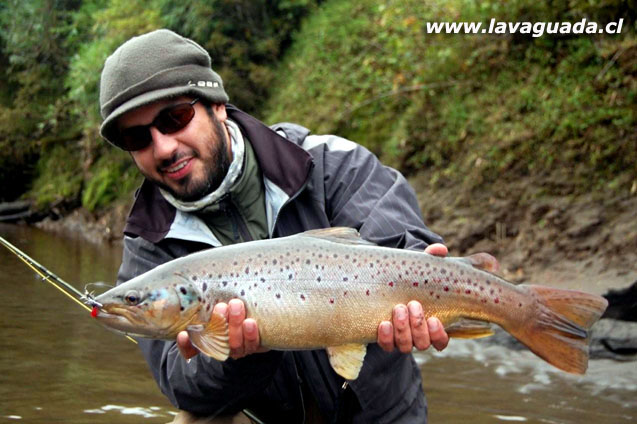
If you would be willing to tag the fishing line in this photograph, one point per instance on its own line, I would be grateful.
(49, 277)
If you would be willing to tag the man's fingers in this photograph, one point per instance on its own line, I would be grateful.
(437, 333)
(250, 336)
(402, 333)
(418, 326)
(386, 336)
(236, 315)
(437, 249)
(186, 349)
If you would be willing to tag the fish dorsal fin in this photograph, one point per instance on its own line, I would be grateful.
(483, 261)
(211, 339)
(469, 329)
(338, 235)
(347, 360)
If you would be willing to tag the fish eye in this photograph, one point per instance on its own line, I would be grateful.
(132, 297)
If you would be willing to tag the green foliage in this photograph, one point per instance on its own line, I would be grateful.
(476, 109)
(113, 177)
(245, 39)
(473, 108)
(63, 182)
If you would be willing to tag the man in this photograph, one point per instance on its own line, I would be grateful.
(215, 176)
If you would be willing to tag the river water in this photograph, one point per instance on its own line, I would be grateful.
(57, 365)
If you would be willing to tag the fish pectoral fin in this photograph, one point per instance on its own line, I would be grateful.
(469, 329)
(211, 339)
(343, 235)
(347, 360)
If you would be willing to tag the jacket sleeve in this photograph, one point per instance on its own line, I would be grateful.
(362, 193)
(202, 386)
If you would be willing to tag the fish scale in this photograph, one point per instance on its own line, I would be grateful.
(329, 288)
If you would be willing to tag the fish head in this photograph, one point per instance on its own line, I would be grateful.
(157, 309)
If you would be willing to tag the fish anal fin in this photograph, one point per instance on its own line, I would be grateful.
(469, 329)
(211, 338)
(347, 360)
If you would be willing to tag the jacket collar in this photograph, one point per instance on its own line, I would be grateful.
(286, 167)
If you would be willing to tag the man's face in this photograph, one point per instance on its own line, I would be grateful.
(189, 163)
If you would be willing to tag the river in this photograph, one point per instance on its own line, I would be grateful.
(57, 365)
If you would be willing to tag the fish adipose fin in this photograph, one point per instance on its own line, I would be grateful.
(482, 260)
(211, 339)
(469, 329)
(338, 235)
(347, 360)
(558, 331)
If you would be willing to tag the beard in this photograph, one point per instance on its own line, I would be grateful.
(216, 163)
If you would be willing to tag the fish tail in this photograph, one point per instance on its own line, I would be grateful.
(558, 329)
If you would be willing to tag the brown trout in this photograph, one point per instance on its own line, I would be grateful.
(331, 289)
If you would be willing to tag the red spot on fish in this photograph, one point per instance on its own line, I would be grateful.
(345, 293)
(467, 291)
(496, 300)
(367, 292)
(302, 297)
(331, 300)
(446, 288)
(519, 305)
(415, 284)
(431, 293)
(94, 312)
(391, 284)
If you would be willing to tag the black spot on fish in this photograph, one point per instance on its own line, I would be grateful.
(225, 283)
(345, 278)
(318, 279)
(262, 280)
(182, 289)
(181, 308)
(194, 278)
(247, 270)
(302, 297)
(243, 292)
(274, 261)
(307, 262)
(290, 277)
(278, 296)
(199, 298)
(204, 287)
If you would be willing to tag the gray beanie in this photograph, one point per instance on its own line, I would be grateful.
(154, 66)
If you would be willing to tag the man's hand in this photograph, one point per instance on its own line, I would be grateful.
(408, 327)
(243, 335)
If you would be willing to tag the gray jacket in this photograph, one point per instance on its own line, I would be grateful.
(310, 182)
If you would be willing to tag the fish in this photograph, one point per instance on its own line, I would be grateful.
(330, 289)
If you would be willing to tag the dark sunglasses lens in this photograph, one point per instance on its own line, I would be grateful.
(168, 121)
(175, 118)
(135, 138)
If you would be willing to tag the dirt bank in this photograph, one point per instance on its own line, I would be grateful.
(580, 241)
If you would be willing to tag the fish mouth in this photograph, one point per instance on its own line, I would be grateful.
(123, 320)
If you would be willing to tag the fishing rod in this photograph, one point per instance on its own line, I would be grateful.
(51, 278)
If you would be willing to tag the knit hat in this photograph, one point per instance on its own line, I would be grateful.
(157, 65)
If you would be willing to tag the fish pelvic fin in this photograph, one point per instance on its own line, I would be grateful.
(469, 329)
(212, 338)
(347, 360)
(558, 330)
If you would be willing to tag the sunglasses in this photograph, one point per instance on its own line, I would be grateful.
(168, 121)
